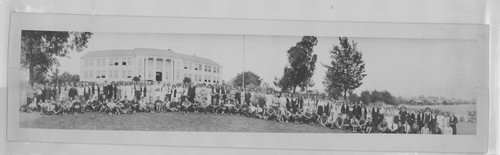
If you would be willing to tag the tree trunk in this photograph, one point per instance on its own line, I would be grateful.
(31, 73)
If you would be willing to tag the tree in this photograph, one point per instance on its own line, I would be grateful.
(39, 49)
(136, 79)
(67, 77)
(250, 79)
(302, 63)
(365, 97)
(186, 80)
(354, 98)
(347, 69)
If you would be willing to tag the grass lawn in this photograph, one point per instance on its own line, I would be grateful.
(175, 122)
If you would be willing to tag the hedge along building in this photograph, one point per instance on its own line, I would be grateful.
(148, 64)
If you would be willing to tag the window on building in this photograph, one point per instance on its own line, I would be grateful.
(103, 74)
(178, 75)
(215, 69)
(185, 65)
(209, 68)
(139, 62)
(91, 62)
(209, 79)
(206, 68)
(200, 67)
(110, 60)
(110, 74)
(86, 62)
(190, 66)
(98, 62)
(116, 74)
(166, 75)
(91, 74)
(129, 61)
(124, 61)
(124, 73)
(140, 73)
(116, 62)
(205, 79)
(103, 61)
(196, 67)
(98, 74)
(129, 74)
(85, 74)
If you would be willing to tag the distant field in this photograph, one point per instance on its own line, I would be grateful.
(179, 122)
(457, 109)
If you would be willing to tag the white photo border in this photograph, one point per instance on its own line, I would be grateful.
(308, 141)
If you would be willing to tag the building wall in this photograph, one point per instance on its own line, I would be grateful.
(124, 68)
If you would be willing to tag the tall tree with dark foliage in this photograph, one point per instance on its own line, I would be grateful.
(250, 78)
(301, 65)
(39, 49)
(347, 69)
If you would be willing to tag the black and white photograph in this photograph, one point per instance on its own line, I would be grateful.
(228, 83)
(248, 83)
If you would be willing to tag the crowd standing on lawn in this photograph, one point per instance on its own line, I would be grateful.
(147, 96)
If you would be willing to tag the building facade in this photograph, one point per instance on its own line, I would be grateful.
(148, 64)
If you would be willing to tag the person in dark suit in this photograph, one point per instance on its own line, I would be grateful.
(191, 93)
(411, 118)
(453, 123)
(114, 89)
(420, 120)
(72, 92)
(247, 97)
(342, 108)
(403, 115)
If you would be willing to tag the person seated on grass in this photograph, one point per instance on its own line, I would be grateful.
(110, 106)
(93, 103)
(346, 124)
(355, 124)
(118, 107)
(127, 106)
(43, 106)
(258, 112)
(315, 117)
(58, 108)
(134, 105)
(393, 127)
(383, 126)
(271, 114)
(307, 117)
(76, 106)
(50, 109)
(84, 104)
(414, 129)
(425, 129)
(287, 116)
(322, 120)
(67, 106)
(33, 106)
(174, 107)
(437, 129)
(143, 105)
(362, 124)
(151, 105)
(186, 106)
(166, 104)
(279, 114)
(158, 104)
(406, 128)
(447, 130)
(330, 121)
(369, 125)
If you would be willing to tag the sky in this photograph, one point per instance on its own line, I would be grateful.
(404, 67)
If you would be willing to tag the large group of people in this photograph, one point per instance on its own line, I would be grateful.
(116, 98)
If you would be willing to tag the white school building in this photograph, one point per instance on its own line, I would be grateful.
(148, 64)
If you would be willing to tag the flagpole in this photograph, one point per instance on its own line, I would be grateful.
(243, 73)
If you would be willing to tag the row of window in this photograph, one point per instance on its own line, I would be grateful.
(108, 74)
(199, 78)
(200, 67)
(110, 62)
